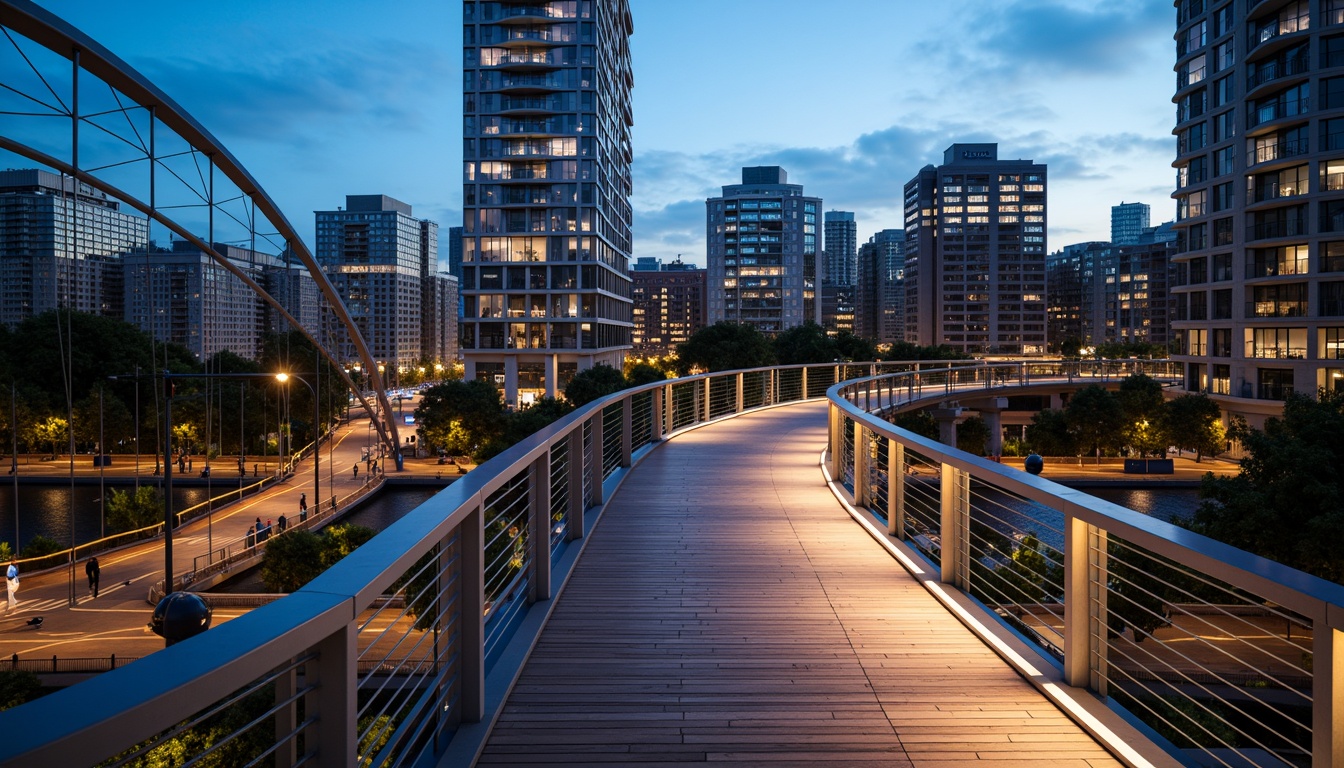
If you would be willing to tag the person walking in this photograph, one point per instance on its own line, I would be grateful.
(92, 570)
(12, 583)
(303, 504)
(356, 468)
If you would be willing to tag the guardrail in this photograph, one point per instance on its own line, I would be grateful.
(402, 652)
(289, 681)
(1227, 658)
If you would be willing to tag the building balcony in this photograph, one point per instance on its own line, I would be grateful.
(1278, 33)
(530, 14)
(1255, 309)
(1283, 150)
(1277, 72)
(1267, 230)
(1276, 111)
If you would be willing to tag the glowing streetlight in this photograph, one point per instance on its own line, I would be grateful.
(284, 378)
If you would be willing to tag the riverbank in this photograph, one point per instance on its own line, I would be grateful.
(1110, 473)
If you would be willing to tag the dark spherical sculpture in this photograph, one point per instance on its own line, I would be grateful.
(179, 616)
(1035, 464)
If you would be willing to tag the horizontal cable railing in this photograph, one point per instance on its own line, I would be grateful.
(1225, 657)
(384, 657)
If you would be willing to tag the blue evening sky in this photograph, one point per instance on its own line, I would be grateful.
(324, 98)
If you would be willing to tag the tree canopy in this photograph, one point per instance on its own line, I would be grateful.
(594, 383)
(1287, 503)
(724, 346)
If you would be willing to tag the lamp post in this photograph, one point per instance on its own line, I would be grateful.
(317, 416)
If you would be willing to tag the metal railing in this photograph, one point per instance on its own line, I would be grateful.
(1228, 658)
(401, 645)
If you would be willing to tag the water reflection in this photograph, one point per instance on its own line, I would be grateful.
(45, 510)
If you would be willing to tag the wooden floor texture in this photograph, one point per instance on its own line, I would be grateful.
(727, 610)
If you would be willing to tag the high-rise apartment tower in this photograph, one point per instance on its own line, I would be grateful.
(1259, 278)
(975, 253)
(840, 244)
(763, 260)
(546, 191)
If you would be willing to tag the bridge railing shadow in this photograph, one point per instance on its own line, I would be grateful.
(1225, 658)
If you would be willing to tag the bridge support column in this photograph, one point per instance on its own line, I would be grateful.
(895, 489)
(955, 524)
(992, 412)
(947, 423)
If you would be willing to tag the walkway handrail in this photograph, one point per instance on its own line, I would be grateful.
(475, 567)
(1167, 624)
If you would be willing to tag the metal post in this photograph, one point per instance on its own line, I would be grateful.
(738, 406)
(627, 432)
(167, 485)
(332, 701)
(539, 517)
(576, 503)
(656, 414)
(803, 394)
(955, 518)
(1077, 611)
(895, 489)
(597, 468)
(473, 618)
(708, 408)
(860, 466)
(1327, 731)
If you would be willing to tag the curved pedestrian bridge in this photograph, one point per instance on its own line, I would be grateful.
(750, 567)
(727, 609)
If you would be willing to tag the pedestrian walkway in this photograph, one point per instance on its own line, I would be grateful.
(726, 609)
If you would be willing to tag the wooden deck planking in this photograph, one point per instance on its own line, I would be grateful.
(727, 610)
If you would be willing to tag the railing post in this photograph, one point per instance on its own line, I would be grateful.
(738, 408)
(772, 394)
(539, 517)
(804, 390)
(1327, 674)
(837, 441)
(472, 561)
(860, 466)
(1077, 605)
(286, 718)
(895, 489)
(669, 410)
(656, 415)
(956, 509)
(331, 703)
(596, 468)
(708, 408)
(627, 431)
(574, 483)
(1098, 576)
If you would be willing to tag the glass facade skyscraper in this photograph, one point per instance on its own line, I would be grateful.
(546, 191)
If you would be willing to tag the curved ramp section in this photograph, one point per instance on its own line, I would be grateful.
(727, 609)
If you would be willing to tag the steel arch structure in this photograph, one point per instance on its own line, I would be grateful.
(138, 135)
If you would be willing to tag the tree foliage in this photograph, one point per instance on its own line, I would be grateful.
(724, 346)
(135, 509)
(1287, 503)
(973, 435)
(904, 350)
(18, 687)
(1095, 419)
(1145, 414)
(294, 558)
(1048, 434)
(1194, 423)
(806, 343)
(594, 383)
(460, 417)
(643, 373)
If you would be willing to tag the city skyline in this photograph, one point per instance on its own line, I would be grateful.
(1083, 88)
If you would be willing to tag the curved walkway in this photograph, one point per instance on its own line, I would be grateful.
(726, 609)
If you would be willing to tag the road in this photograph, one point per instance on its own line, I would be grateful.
(116, 622)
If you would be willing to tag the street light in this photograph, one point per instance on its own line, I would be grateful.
(317, 417)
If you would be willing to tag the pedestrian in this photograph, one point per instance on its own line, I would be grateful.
(12, 582)
(356, 468)
(93, 572)
(303, 502)
(258, 525)
(251, 536)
